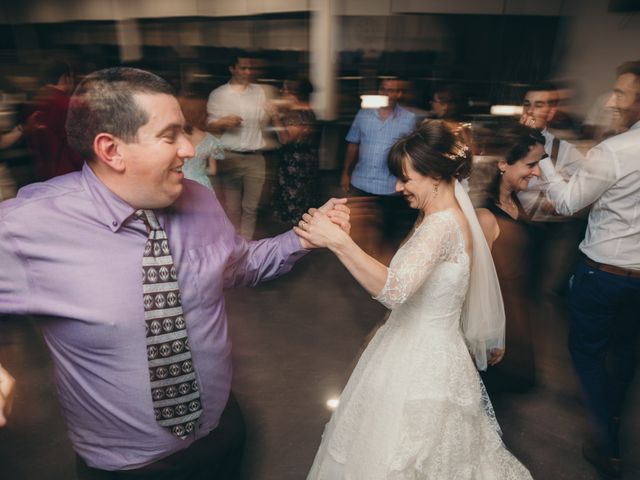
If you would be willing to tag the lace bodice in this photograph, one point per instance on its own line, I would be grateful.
(431, 270)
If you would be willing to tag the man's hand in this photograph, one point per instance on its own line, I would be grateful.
(528, 120)
(548, 208)
(7, 384)
(336, 211)
(229, 122)
(345, 182)
(496, 356)
(272, 110)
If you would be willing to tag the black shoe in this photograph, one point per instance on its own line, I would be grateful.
(607, 467)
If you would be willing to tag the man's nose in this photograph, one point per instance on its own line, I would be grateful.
(186, 149)
(611, 102)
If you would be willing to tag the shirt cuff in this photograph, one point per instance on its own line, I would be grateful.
(292, 245)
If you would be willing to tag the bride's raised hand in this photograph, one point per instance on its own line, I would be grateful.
(316, 229)
(337, 211)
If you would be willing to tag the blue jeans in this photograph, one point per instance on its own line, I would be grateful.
(605, 318)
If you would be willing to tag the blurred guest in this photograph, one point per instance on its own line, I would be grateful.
(599, 120)
(235, 114)
(448, 104)
(297, 183)
(566, 122)
(9, 138)
(507, 229)
(208, 148)
(557, 236)
(379, 213)
(7, 385)
(604, 293)
(44, 129)
(7, 183)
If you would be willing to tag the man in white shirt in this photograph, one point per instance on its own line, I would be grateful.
(236, 111)
(557, 236)
(605, 292)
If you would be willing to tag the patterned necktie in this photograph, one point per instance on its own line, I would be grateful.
(174, 389)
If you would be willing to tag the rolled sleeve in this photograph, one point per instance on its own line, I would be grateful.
(14, 281)
(213, 107)
(354, 135)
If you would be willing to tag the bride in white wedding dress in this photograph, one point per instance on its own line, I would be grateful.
(414, 406)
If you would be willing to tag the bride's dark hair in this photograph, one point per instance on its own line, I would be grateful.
(433, 150)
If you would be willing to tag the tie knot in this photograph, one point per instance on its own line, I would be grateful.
(149, 219)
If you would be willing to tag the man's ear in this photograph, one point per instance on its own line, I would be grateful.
(552, 113)
(108, 150)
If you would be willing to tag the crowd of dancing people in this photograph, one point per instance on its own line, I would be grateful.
(457, 232)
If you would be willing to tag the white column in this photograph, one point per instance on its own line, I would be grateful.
(323, 57)
(129, 40)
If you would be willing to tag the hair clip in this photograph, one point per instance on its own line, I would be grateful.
(459, 150)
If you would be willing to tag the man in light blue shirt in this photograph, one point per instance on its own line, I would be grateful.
(365, 174)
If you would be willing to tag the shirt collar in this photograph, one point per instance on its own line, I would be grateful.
(394, 113)
(635, 125)
(112, 210)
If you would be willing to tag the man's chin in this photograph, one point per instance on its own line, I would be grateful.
(169, 197)
(622, 123)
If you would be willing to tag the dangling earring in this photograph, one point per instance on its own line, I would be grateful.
(501, 172)
(435, 190)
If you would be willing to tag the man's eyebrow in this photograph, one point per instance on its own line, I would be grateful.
(171, 128)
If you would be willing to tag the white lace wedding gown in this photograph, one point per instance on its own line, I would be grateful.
(414, 406)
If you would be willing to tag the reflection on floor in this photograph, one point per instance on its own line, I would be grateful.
(295, 340)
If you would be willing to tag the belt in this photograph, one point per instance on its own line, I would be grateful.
(244, 152)
(612, 269)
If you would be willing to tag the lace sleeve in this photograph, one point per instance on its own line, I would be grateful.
(414, 262)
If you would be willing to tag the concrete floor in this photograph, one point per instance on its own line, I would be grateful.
(295, 340)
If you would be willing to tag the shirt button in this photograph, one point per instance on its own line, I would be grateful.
(114, 223)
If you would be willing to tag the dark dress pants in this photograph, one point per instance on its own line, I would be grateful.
(602, 340)
(217, 456)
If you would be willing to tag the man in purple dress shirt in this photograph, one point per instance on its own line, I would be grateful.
(71, 253)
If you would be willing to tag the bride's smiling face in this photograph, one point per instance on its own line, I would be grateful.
(416, 188)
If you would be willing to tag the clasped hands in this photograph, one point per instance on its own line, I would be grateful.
(324, 226)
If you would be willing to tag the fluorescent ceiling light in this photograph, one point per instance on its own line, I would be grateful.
(374, 101)
(506, 110)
